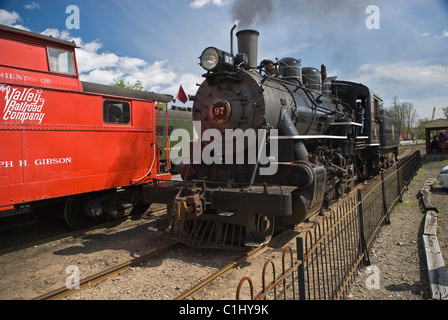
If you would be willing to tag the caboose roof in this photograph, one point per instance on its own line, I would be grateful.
(15, 33)
(437, 124)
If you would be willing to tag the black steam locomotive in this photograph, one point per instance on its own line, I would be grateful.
(315, 138)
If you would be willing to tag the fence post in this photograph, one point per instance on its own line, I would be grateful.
(301, 269)
(383, 189)
(362, 237)
(399, 182)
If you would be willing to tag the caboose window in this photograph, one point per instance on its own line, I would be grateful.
(61, 61)
(116, 112)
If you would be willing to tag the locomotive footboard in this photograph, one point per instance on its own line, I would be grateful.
(204, 214)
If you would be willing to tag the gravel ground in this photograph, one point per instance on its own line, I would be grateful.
(397, 260)
(396, 256)
(398, 270)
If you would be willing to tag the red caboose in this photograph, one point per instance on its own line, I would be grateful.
(88, 145)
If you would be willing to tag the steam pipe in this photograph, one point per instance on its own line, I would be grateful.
(231, 39)
(254, 172)
(287, 128)
(323, 72)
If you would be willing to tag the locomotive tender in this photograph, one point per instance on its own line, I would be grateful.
(329, 134)
(86, 146)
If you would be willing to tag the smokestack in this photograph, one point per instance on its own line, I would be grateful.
(248, 44)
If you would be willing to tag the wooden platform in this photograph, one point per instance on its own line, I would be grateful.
(438, 275)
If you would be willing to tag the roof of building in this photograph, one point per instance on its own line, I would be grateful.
(437, 124)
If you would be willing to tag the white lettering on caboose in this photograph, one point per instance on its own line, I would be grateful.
(37, 162)
(43, 162)
(23, 104)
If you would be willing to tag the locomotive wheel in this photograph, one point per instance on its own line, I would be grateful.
(140, 208)
(74, 214)
(261, 231)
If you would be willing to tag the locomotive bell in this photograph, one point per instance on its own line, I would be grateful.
(248, 44)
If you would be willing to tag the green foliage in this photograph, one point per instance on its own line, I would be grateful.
(123, 83)
(445, 112)
(407, 204)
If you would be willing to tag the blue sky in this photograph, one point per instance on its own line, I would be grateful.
(158, 42)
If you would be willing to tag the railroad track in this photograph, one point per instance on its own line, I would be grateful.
(163, 248)
(306, 224)
(407, 150)
(106, 274)
(76, 233)
(69, 245)
(221, 272)
(250, 254)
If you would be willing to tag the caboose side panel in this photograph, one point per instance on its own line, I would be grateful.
(61, 143)
(11, 170)
(85, 145)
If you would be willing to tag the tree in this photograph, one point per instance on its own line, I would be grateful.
(123, 83)
(406, 114)
(421, 128)
(445, 112)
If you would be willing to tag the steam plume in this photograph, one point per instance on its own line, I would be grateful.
(325, 15)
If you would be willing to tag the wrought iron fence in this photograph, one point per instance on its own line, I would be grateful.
(329, 254)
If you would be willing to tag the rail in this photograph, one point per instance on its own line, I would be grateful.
(330, 253)
(106, 274)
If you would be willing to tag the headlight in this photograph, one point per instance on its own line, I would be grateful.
(209, 59)
(213, 59)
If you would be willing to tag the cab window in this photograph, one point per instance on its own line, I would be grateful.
(61, 61)
(375, 108)
(116, 112)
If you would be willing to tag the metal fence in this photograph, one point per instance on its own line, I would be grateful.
(329, 254)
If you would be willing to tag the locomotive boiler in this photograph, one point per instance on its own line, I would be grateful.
(277, 143)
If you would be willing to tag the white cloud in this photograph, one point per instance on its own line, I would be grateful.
(418, 82)
(64, 35)
(292, 50)
(9, 18)
(89, 61)
(408, 72)
(101, 76)
(130, 65)
(196, 4)
(105, 67)
(443, 35)
(31, 6)
(199, 3)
